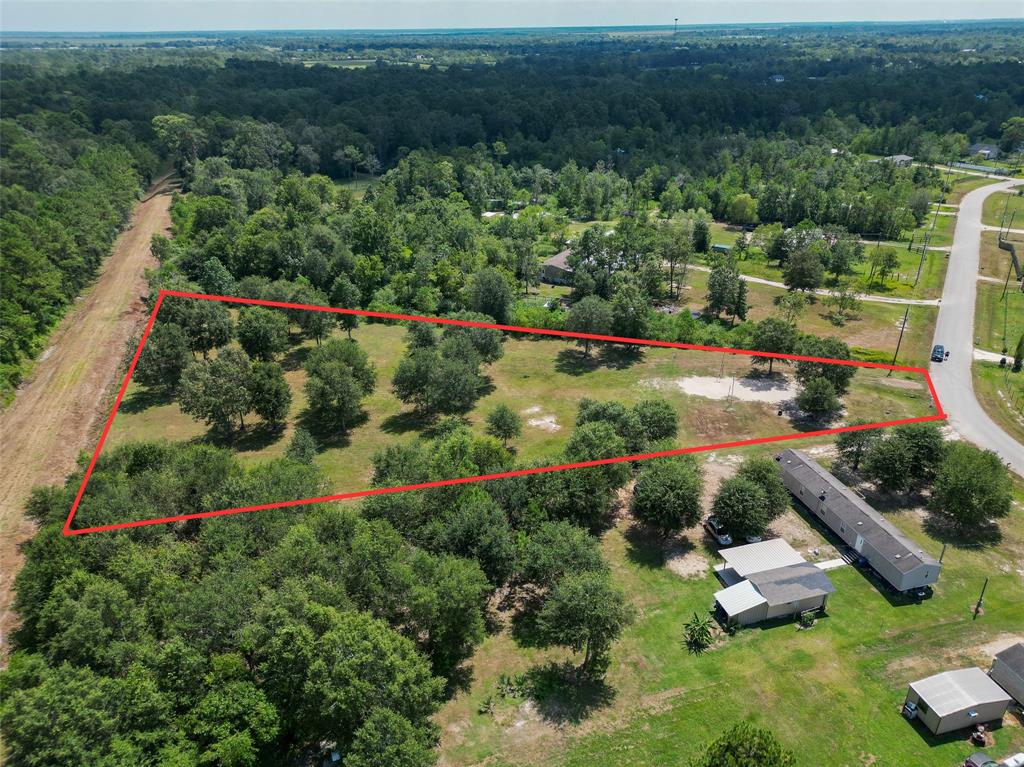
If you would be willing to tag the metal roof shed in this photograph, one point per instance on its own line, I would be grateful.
(742, 604)
(953, 700)
(758, 557)
(793, 589)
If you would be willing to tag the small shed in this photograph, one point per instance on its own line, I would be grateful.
(556, 270)
(899, 160)
(986, 151)
(1008, 671)
(953, 700)
(741, 604)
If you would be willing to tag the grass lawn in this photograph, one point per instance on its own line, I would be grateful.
(900, 284)
(1004, 203)
(1001, 393)
(877, 326)
(992, 314)
(962, 183)
(941, 232)
(995, 262)
(831, 693)
(357, 186)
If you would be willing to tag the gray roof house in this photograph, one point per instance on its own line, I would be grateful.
(896, 558)
(987, 151)
(1008, 671)
(769, 580)
(953, 700)
(556, 270)
(899, 160)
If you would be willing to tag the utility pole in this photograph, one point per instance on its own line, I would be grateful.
(981, 601)
(943, 553)
(903, 327)
(675, 25)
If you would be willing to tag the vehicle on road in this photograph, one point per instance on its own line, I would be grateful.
(715, 529)
(938, 353)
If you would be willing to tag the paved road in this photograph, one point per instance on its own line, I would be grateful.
(57, 411)
(823, 292)
(955, 330)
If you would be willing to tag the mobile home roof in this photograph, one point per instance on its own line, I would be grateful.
(897, 548)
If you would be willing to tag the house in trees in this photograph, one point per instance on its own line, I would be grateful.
(897, 559)
(954, 700)
(768, 580)
(556, 270)
(1008, 671)
(899, 160)
(985, 151)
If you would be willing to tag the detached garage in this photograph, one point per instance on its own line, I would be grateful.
(777, 593)
(956, 699)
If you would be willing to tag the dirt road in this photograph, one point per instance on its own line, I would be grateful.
(57, 412)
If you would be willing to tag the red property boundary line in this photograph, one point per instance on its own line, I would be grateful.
(68, 531)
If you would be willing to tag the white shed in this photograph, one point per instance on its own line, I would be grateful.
(1008, 671)
(957, 699)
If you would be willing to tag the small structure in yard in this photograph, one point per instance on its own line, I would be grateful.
(769, 580)
(985, 151)
(1008, 671)
(896, 558)
(721, 248)
(899, 160)
(556, 270)
(954, 700)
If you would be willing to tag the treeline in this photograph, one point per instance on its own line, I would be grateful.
(66, 192)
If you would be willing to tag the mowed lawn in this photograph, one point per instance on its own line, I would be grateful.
(541, 379)
(998, 316)
(832, 693)
(1001, 206)
(876, 328)
(898, 284)
(1001, 392)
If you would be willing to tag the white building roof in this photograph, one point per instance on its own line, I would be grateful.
(758, 557)
(739, 598)
(958, 690)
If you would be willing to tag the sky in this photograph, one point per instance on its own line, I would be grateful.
(184, 15)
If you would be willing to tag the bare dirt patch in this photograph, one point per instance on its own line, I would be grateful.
(774, 389)
(686, 561)
(545, 422)
(59, 410)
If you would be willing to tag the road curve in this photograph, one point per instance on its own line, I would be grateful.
(56, 412)
(955, 330)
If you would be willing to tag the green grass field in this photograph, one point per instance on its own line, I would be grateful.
(543, 379)
(995, 262)
(998, 321)
(1001, 393)
(962, 183)
(899, 284)
(831, 693)
(1003, 203)
(938, 230)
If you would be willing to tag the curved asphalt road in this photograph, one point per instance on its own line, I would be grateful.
(955, 330)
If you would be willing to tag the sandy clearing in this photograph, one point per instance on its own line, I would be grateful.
(544, 422)
(58, 411)
(774, 390)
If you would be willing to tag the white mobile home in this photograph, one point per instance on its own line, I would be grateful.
(900, 561)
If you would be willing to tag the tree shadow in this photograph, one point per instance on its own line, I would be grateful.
(327, 434)
(563, 697)
(947, 531)
(458, 680)
(145, 398)
(801, 421)
(255, 437)
(612, 356)
(646, 549)
(295, 357)
(406, 421)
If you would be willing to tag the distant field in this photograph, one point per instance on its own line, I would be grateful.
(963, 183)
(899, 284)
(995, 262)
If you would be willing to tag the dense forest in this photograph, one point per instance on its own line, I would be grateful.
(281, 638)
